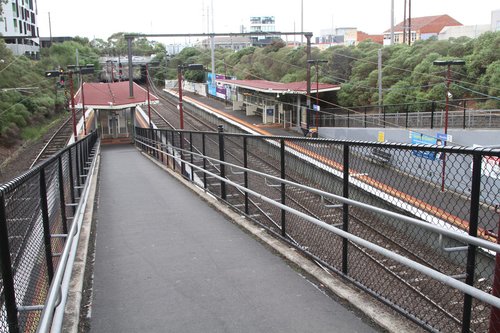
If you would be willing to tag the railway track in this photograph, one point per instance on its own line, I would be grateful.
(373, 271)
(57, 141)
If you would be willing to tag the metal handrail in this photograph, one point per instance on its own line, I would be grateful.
(438, 230)
(446, 279)
(52, 314)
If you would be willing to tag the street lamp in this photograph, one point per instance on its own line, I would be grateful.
(316, 62)
(447, 63)
(180, 70)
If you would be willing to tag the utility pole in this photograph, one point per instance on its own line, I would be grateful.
(147, 90)
(130, 69)
(404, 24)
(302, 22)
(213, 44)
(50, 30)
(392, 22)
(409, 22)
(308, 75)
(380, 80)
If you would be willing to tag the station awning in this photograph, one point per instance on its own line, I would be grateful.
(264, 86)
(112, 96)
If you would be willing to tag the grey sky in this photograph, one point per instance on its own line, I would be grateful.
(93, 18)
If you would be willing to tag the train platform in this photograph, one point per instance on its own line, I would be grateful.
(273, 129)
(165, 261)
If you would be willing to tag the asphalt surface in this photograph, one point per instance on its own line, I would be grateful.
(167, 262)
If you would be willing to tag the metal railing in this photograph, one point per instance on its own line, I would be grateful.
(39, 213)
(387, 227)
(415, 115)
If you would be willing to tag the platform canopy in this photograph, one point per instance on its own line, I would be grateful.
(112, 96)
(296, 88)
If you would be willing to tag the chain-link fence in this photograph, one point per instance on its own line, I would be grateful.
(36, 212)
(452, 189)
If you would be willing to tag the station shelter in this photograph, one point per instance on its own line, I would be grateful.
(110, 108)
(276, 102)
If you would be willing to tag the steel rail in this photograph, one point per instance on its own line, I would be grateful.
(47, 145)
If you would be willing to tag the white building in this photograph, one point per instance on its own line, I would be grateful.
(262, 24)
(471, 31)
(19, 26)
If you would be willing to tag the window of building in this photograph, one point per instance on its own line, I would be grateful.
(413, 36)
(396, 38)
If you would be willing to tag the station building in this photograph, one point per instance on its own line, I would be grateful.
(277, 102)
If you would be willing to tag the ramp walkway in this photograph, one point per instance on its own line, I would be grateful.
(166, 261)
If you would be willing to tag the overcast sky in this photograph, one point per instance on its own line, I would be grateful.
(101, 18)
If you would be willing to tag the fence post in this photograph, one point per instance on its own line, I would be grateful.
(245, 175)
(192, 158)
(283, 188)
(471, 253)
(220, 129)
(62, 199)
(77, 168)
(181, 146)
(365, 109)
(345, 209)
(383, 114)
(465, 113)
(46, 225)
(161, 152)
(173, 150)
(204, 152)
(433, 109)
(6, 270)
(494, 325)
(407, 115)
(348, 118)
(72, 181)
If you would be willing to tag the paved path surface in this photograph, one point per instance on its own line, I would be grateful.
(167, 262)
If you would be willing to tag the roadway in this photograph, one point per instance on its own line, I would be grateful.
(165, 261)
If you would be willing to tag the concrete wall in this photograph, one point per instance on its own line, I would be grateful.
(460, 137)
(197, 88)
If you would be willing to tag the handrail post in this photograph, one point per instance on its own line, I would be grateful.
(283, 188)
(245, 165)
(192, 157)
(204, 152)
(46, 226)
(173, 150)
(6, 271)
(345, 209)
(72, 180)
(473, 225)
(220, 129)
(62, 199)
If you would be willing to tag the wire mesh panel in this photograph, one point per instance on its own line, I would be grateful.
(454, 189)
(32, 218)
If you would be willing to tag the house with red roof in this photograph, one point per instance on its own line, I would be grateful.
(421, 28)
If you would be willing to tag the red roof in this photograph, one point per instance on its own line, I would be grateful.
(374, 38)
(281, 88)
(113, 95)
(427, 24)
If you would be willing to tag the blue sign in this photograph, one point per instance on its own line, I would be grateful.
(422, 139)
